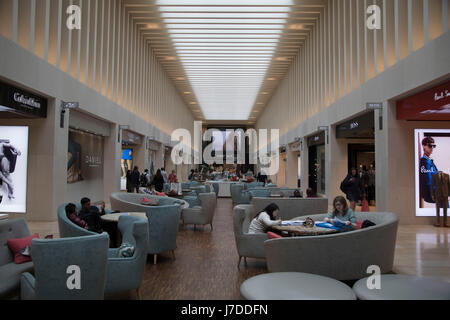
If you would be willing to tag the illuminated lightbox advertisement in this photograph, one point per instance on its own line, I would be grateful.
(432, 155)
(13, 169)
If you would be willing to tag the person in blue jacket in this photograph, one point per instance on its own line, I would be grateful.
(427, 169)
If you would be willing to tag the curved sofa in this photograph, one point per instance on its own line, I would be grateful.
(163, 220)
(342, 256)
(68, 229)
(291, 208)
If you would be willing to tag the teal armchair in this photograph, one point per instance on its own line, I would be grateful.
(52, 259)
(260, 193)
(238, 194)
(127, 273)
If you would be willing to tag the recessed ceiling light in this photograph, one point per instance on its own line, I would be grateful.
(296, 26)
(264, 93)
(152, 26)
(282, 58)
(187, 92)
(193, 103)
(180, 78)
(271, 79)
(260, 103)
(171, 58)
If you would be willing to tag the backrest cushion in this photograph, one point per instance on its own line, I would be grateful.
(9, 229)
(17, 245)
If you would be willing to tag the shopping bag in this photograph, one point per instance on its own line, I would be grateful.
(365, 205)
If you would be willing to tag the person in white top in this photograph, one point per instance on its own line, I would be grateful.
(265, 219)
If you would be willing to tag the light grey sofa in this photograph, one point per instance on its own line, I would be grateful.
(203, 214)
(342, 256)
(163, 220)
(9, 271)
(291, 208)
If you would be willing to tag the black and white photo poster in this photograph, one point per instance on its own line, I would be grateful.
(13, 169)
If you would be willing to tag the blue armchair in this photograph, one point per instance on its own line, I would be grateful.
(238, 194)
(192, 198)
(67, 228)
(260, 193)
(127, 273)
(52, 259)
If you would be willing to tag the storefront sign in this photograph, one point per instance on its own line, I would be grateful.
(317, 139)
(432, 104)
(19, 101)
(360, 127)
(130, 138)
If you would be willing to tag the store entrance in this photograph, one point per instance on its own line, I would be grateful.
(362, 158)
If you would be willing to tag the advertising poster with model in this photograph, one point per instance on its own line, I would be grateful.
(13, 169)
(432, 153)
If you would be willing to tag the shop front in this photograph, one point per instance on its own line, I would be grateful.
(18, 109)
(133, 155)
(86, 157)
(316, 163)
(357, 136)
(425, 118)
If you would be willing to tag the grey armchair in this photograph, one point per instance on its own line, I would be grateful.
(67, 228)
(52, 259)
(260, 193)
(9, 271)
(238, 194)
(163, 219)
(127, 273)
(203, 214)
(248, 245)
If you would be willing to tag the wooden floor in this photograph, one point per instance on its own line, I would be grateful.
(206, 262)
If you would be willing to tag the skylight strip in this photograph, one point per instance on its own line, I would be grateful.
(205, 46)
(278, 15)
(235, 41)
(242, 27)
(226, 31)
(213, 9)
(224, 36)
(182, 20)
(223, 2)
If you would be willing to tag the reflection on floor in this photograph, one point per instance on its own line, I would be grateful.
(206, 263)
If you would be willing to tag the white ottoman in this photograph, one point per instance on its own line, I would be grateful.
(295, 286)
(402, 287)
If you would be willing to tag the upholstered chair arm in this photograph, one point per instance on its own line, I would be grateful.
(193, 215)
(27, 287)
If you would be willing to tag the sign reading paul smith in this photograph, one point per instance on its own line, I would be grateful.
(21, 101)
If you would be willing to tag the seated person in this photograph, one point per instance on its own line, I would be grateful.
(72, 215)
(265, 220)
(172, 177)
(150, 189)
(310, 193)
(91, 214)
(342, 212)
(297, 194)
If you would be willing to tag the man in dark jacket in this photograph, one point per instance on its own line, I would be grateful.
(91, 214)
(135, 179)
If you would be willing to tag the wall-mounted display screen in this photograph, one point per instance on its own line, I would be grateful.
(432, 153)
(13, 169)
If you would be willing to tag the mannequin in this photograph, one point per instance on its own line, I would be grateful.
(440, 186)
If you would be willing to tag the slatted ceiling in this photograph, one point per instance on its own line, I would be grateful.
(226, 57)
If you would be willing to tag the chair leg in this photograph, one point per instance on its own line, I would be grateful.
(211, 227)
(155, 257)
(139, 293)
(173, 254)
(239, 261)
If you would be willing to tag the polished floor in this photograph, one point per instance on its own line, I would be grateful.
(206, 262)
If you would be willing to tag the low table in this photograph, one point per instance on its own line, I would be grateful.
(298, 231)
(295, 286)
(115, 216)
(403, 287)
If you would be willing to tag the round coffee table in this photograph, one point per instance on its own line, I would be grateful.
(403, 287)
(295, 286)
(115, 216)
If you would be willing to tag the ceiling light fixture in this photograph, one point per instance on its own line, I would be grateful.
(297, 26)
(152, 26)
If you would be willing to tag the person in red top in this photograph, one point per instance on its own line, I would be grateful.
(72, 214)
(173, 177)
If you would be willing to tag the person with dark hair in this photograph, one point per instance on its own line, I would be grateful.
(353, 188)
(341, 213)
(91, 214)
(427, 169)
(310, 193)
(191, 175)
(144, 178)
(265, 220)
(297, 194)
(128, 186)
(164, 174)
(158, 181)
(135, 180)
(72, 215)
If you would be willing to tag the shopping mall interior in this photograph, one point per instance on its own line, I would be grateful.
(305, 148)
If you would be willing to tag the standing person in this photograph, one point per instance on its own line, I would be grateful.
(158, 181)
(265, 219)
(191, 175)
(128, 177)
(371, 190)
(352, 188)
(144, 178)
(173, 177)
(135, 179)
(164, 174)
(427, 170)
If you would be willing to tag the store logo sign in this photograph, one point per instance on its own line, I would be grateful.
(374, 20)
(354, 125)
(31, 102)
(74, 19)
